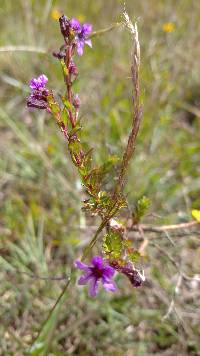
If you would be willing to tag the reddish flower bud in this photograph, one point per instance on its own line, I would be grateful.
(59, 55)
(134, 276)
(76, 101)
(38, 99)
(73, 68)
(64, 26)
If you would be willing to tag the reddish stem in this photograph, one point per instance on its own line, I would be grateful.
(69, 84)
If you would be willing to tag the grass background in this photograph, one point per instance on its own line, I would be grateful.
(42, 227)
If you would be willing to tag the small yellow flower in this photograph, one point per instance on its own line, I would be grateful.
(55, 14)
(196, 214)
(168, 27)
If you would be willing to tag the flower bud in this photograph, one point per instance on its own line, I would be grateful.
(38, 99)
(76, 101)
(64, 26)
(59, 55)
(73, 68)
(134, 276)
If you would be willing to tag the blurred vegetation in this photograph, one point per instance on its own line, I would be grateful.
(42, 227)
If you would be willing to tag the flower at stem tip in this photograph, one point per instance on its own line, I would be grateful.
(38, 83)
(75, 33)
(98, 272)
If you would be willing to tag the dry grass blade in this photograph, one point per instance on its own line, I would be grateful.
(22, 48)
(105, 30)
(137, 112)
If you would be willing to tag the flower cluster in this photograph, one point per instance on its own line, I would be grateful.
(75, 33)
(38, 97)
(76, 36)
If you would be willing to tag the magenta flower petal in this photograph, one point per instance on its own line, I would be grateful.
(109, 286)
(82, 37)
(43, 79)
(85, 278)
(89, 43)
(86, 29)
(108, 271)
(81, 265)
(38, 83)
(33, 83)
(80, 47)
(93, 287)
(75, 25)
(97, 262)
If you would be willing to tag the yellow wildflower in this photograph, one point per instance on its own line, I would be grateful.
(168, 27)
(196, 214)
(55, 14)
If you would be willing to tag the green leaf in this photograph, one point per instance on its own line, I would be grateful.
(54, 108)
(134, 256)
(112, 244)
(64, 117)
(141, 208)
(87, 161)
(66, 103)
(74, 146)
(75, 130)
(64, 68)
(83, 171)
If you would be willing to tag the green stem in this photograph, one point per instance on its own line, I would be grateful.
(108, 29)
(110, 214)
(51, 312)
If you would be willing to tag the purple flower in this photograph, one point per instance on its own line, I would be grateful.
(86, 29)
(38, 83)
(38, 97)
(80, 32)
(82, 38)
(99, 271)
(75, 25)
